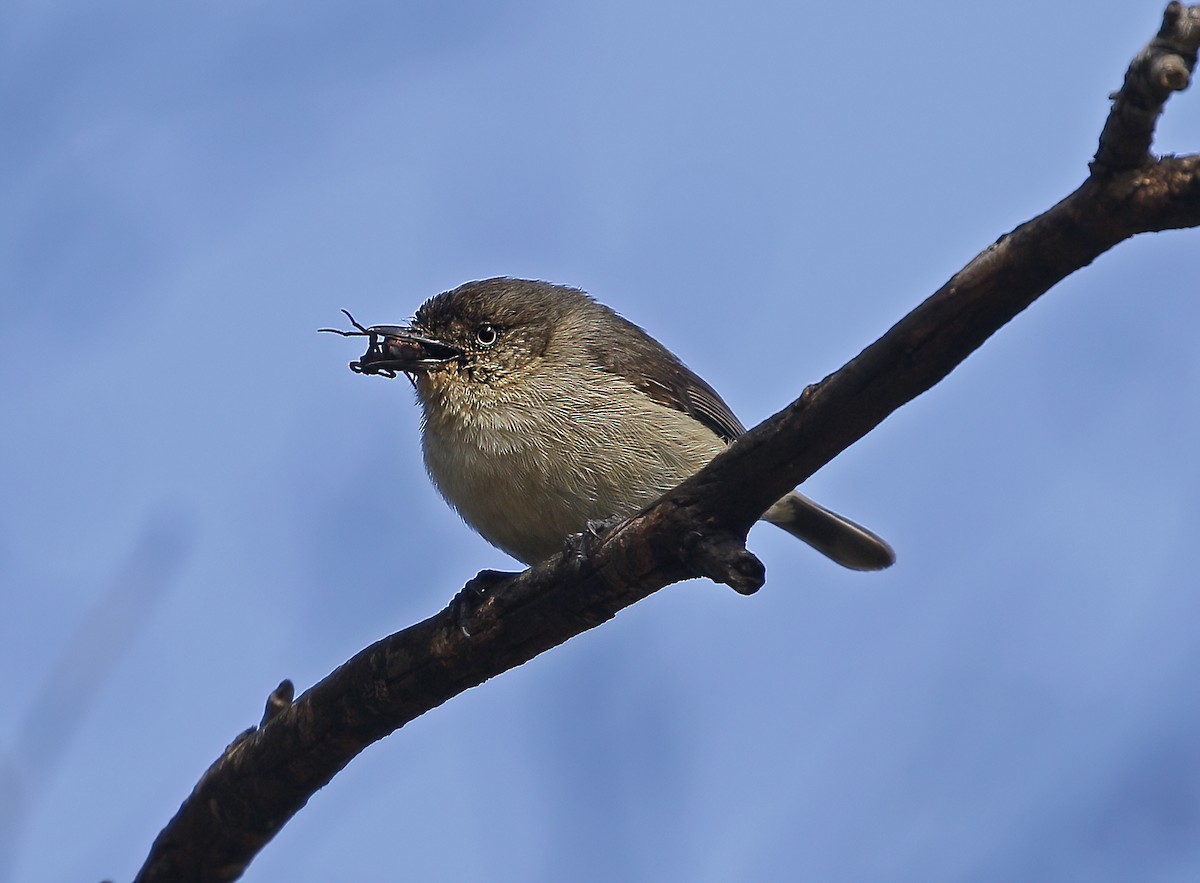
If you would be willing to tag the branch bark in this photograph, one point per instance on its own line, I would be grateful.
(699, 529)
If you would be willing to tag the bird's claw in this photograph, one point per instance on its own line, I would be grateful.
(469, 598)
(580, 545)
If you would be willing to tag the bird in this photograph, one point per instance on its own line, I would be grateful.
(545, 412)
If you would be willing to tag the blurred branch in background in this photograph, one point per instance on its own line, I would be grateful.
(88, 658)
(698, 529)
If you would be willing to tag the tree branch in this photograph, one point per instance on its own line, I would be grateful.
(1163, 67)
(699, 529)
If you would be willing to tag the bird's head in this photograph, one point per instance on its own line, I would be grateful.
(488, 332)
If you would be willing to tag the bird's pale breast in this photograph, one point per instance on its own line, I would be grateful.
(526, 472)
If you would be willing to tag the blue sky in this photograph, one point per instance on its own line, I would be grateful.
(201, 500)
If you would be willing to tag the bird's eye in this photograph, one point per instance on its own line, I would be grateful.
(485, 335)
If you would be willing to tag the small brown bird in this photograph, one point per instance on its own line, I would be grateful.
(545, 410)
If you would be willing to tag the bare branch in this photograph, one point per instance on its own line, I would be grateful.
(698, 529)
(1163, 67)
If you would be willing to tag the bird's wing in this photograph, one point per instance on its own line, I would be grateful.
(656, 371)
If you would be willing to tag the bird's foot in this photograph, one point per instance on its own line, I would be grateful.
(473, 594)
(580, 545)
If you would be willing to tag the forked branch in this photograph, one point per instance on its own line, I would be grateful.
(698, 529)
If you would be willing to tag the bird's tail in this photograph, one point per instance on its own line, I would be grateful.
(840, 539)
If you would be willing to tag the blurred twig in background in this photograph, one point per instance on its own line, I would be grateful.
(88, 658)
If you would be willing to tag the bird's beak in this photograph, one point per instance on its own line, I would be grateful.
(394, 349)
